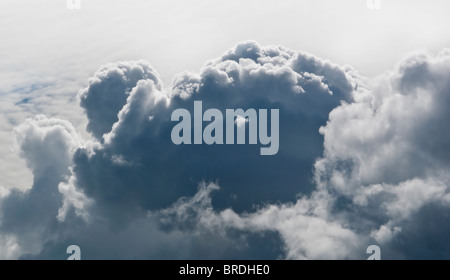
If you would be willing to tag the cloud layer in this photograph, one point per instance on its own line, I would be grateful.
(359, 163)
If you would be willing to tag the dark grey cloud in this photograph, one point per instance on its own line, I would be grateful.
(248, 76)
(356, 165)
(134, 167)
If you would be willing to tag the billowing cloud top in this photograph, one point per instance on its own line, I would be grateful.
(144, 169)
(356, 165)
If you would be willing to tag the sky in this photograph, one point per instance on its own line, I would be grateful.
(86, 97)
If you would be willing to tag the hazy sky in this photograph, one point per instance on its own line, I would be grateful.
(177, 35)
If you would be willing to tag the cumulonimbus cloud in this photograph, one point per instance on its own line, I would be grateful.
(356, 163)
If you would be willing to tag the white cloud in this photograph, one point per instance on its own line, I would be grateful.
(9, 248)
(72, 197)
(306, 233)
(388, 151)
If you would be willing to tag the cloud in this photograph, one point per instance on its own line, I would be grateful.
(8, 247)
(108, 90)
(133, 167)
(30, 98)
(28, 216)
(304, 226)
(73, 199)
(388, 151)
(359, 162)
(247, 76)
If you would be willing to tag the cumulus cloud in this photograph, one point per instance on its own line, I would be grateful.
(388, 151)
(247, 76)
(108, 91)
(47, 144)
(359, 162)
